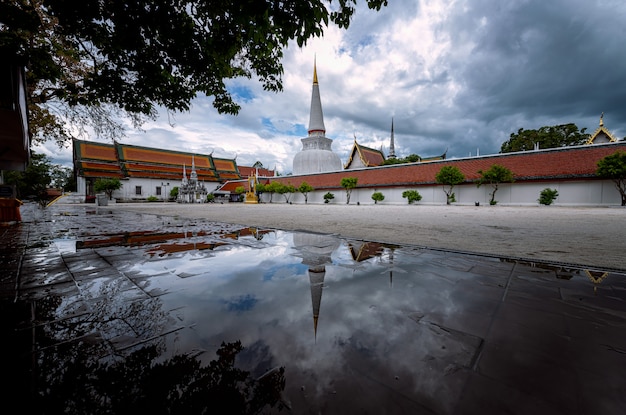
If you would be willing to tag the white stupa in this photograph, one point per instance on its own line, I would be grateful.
(316, 155)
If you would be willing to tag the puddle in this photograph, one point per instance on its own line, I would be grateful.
(309, 322)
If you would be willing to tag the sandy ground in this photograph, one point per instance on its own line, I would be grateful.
(593, 237)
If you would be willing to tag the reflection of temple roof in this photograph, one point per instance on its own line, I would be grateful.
(93, 159)
(362, 156)
(361, 250)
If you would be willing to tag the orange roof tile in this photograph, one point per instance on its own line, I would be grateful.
(561, 163)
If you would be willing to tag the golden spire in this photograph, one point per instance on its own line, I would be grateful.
(601, 120)
(315, 70)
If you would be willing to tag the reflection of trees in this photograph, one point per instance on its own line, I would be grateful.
(74, 372)
(138, 384)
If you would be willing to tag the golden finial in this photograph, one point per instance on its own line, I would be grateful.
(315, 70)
(601, 119)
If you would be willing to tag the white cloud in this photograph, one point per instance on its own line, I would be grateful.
(461, 75)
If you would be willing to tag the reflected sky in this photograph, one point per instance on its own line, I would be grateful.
(404, 329)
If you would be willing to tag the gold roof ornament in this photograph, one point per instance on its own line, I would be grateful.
(601, 134)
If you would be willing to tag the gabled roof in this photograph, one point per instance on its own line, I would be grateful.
(122, 160)
(368, 156)
(601, 134)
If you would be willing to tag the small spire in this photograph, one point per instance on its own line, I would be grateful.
(315, 70)
(602, 120)
(392, 147)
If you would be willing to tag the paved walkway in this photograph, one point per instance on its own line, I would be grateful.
(486, 335)
(583, 236)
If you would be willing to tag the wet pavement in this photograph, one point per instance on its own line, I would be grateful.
(107, 311)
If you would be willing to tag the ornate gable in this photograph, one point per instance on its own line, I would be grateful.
(367, 157)
(601, 135)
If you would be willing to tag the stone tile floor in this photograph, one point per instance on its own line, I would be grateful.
(113, 312)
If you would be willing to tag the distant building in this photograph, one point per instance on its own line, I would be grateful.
(316, 155)
(361, 156)
(145, 171)
(601, 134)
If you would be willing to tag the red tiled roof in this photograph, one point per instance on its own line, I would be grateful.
(247, 171)
(121, 160)
(562, 163)
(158, 156)
(368, 156)
(231, 185)
(95, 151)
(223, 165)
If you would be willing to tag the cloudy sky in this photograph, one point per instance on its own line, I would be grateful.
(456, 75)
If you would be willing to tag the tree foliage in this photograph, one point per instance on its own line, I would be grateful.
(33, 182)
(613, 167)
(412, 196)
(90, 59)
(495, 175)
(449, 176)
(286, 190)
(378, 197)
(547, 196)
(108, 186)
(348, 183)
(305, 188)
(546, 137)
(411, 158)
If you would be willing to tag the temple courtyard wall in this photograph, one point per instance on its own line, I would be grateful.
(571, 193)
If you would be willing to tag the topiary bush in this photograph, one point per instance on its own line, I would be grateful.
(378, 197)
(412, 196)
(547, 196)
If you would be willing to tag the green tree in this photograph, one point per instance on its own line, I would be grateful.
(378, 197)
(174, 193)
(273, 187)
(305, 188)
(286, 190)
(136, 55)
(348, 183)
(328, 197)
(62, 177)
(613, 167)
(449, 176)
(260, 189)
(495, 175)
(412, 196)
(107, 186)
(546, 137)
(547, 196)
(411, 158)
(33, 182)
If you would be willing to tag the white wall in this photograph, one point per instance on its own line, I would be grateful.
(579, 193)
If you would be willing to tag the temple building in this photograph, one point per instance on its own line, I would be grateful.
(362, 156)
(146, 172)
(316, 155)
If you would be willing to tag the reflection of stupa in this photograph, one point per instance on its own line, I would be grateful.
(316, 155)
(316, 251)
